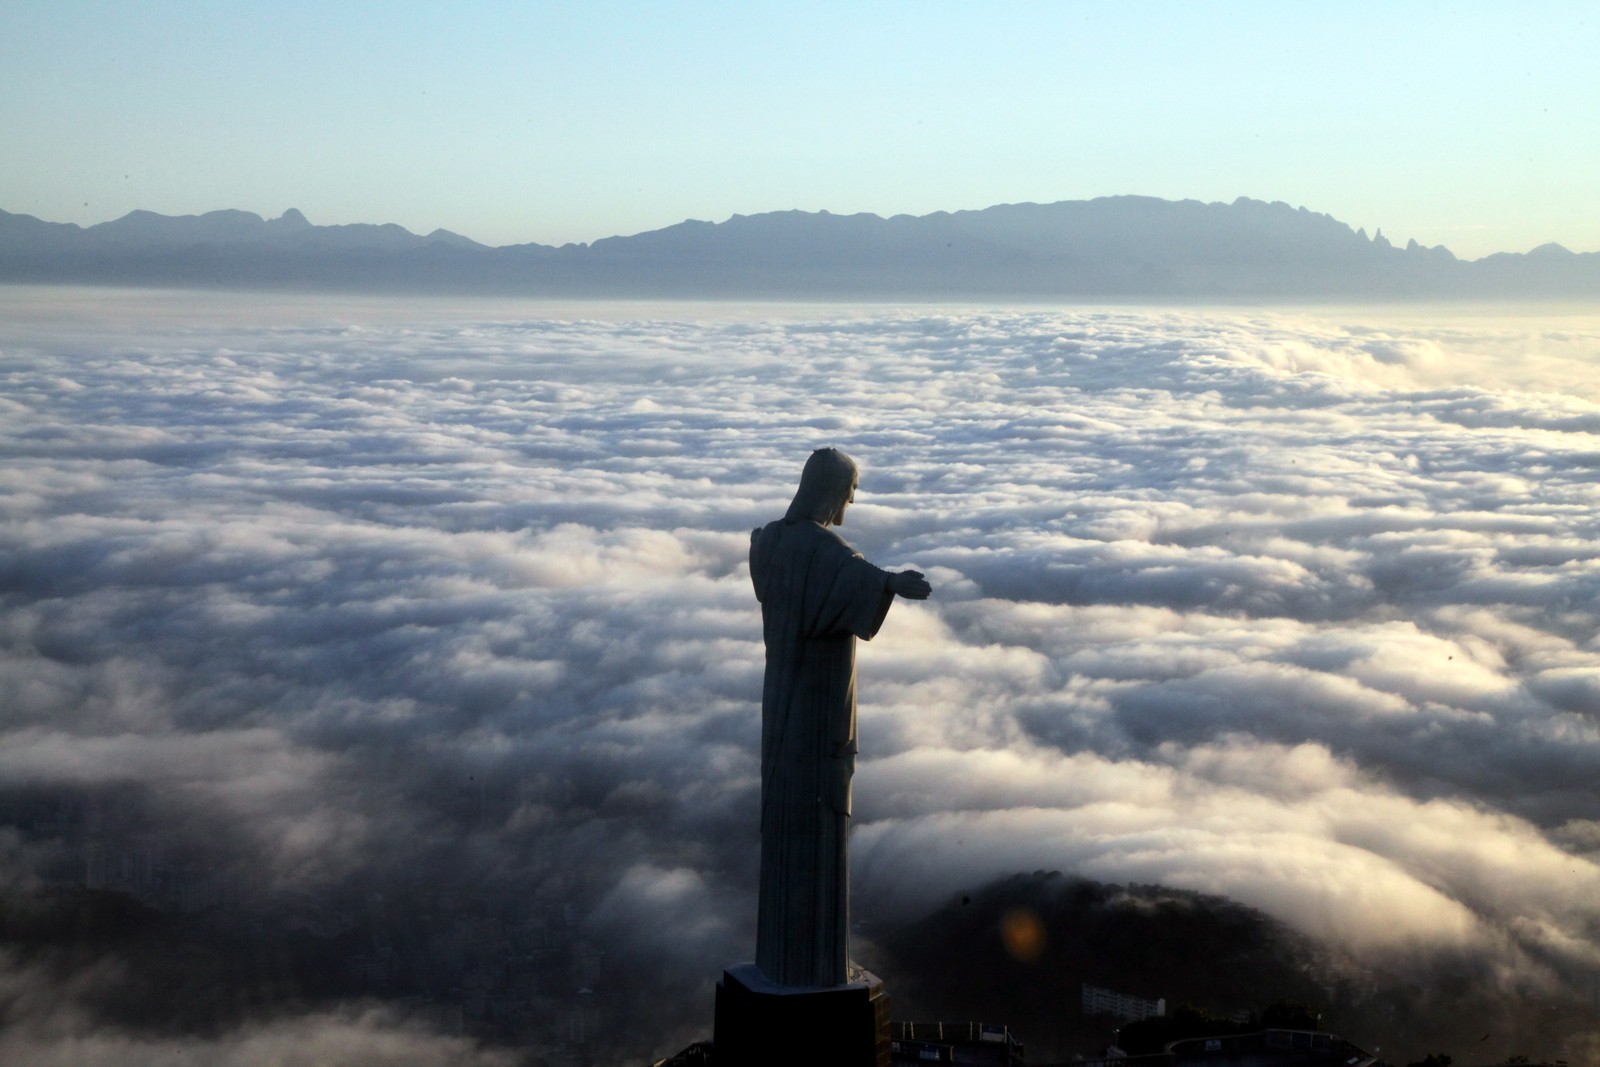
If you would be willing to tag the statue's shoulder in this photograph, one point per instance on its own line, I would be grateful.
(832, 537)
(804, 535)
(766, 535)
(824, 542)
(765, 542)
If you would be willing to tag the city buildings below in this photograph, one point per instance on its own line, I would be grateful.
(1269, 1048)
(1100, 1001)
(144, 873)
(1265, 1048)
(972, 1044)
(983, 1044)
(988, 1045)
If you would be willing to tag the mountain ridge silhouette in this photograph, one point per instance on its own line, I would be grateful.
(1133, 247)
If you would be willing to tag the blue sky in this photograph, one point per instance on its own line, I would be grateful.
(1473, 125)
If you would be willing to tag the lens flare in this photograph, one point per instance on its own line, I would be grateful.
(1023, 934)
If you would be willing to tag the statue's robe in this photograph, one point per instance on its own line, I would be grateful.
(817, 596)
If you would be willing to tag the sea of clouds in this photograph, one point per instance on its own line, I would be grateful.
(1297, 608)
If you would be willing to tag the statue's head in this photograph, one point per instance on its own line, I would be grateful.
(827, 487)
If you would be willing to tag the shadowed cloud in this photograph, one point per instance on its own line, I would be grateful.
(1296, 610)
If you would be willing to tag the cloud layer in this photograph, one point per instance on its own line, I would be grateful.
(1301, 610)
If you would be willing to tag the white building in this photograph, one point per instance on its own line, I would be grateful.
(1099, 1001)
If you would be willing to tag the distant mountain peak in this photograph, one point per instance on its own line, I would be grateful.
(292, 219)
(443, 236)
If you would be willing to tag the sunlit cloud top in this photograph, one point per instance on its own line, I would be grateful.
(1302, 611)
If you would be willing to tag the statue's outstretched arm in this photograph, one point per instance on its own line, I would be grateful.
(909, 584)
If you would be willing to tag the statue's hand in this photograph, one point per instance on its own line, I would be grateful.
(909, 584)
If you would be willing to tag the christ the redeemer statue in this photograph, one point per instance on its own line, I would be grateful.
(817, 596)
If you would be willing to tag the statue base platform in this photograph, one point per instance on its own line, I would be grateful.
(759, 1024)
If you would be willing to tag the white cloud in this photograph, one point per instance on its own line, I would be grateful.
(1286, 608)
(367, 1037)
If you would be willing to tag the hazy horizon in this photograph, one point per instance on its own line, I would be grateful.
(270, 216)
(1134, 249)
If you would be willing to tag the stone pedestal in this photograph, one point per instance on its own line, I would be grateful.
(759, 1024)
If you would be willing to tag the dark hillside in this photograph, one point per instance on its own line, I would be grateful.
(1020, 950)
